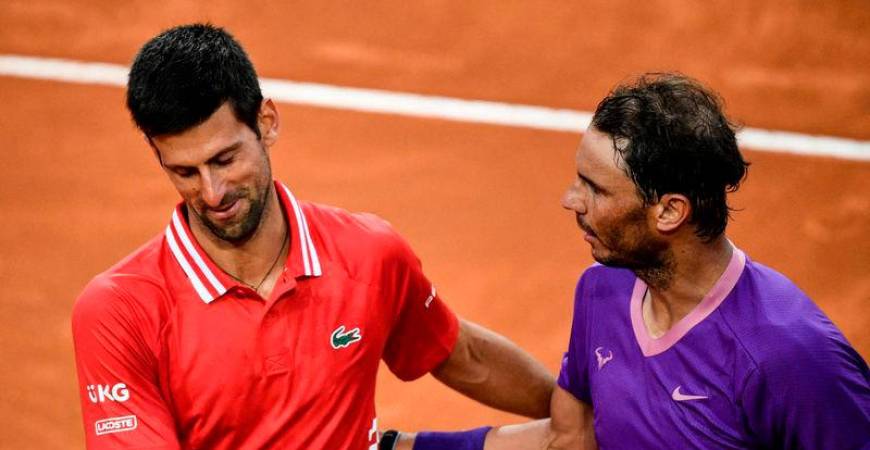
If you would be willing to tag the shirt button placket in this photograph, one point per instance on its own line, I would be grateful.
(272, 346)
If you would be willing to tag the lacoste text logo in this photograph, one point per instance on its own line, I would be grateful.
(430, 298)
(680, 397)
(116, 425)
(98, 393)
(340, 339)
(602, 360)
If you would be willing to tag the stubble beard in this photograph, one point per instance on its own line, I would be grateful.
(633, 247)
(240, 232)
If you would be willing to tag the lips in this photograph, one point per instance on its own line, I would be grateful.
(585, 227)
(225, 207)
(226, 212)
(590, 235)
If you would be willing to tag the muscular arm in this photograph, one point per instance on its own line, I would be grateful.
(569, 428)
(494, 371)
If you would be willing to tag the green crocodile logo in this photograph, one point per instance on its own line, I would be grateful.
(340, 339)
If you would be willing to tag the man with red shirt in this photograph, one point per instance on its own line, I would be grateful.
(257, 320)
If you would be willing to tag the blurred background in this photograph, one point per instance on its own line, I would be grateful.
(79, 188)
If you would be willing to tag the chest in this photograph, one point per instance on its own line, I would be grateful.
(293, 361)
(685, 397)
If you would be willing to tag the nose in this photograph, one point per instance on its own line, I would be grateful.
(212, 189)
(572, 200)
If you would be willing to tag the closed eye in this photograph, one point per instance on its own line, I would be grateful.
(184, 172)
(594, 188)
(224, 161)
(226, 156)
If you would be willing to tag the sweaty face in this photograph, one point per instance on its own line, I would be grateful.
(222, 172)
(609, 210)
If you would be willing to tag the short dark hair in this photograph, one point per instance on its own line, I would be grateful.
(183, 75)
(673, 137)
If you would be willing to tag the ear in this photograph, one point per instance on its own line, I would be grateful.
(269, 122)
(672, 211)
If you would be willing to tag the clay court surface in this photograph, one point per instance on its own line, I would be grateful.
(479, 203)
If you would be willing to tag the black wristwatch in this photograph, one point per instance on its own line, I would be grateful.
(389, 440)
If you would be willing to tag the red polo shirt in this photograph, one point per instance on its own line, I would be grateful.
(173, 352)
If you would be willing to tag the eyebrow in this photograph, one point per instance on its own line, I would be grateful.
(222, 152)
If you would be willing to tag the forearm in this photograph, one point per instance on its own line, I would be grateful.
(537, 435)
(571, 427)
(494, 371)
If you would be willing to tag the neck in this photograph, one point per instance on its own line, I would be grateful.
(690, 271)
(248, 260)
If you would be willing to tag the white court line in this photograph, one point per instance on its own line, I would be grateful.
(378, 101)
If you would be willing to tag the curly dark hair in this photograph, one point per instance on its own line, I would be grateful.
(182, 76)
(673, 136)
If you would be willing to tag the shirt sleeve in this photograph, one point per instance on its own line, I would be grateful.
(114, 339)
(806, 395)
(425, 330)
(574, 375)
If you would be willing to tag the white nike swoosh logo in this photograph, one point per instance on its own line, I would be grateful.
(680, 397)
